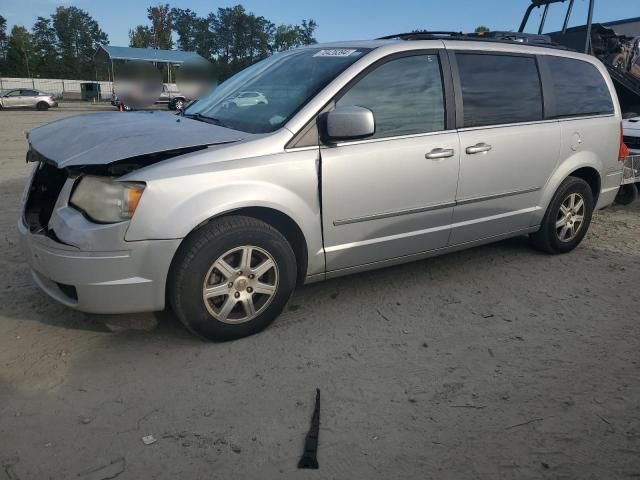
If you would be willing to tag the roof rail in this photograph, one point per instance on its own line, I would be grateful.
(421, 35)
(496, 37)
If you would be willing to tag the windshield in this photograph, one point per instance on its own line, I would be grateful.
(263, 97)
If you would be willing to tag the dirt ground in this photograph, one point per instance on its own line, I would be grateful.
(497, 362)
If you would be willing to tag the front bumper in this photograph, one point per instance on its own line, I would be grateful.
(127, 280)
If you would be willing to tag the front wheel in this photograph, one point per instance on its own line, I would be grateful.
(567, 219)
(178, 104)
(231, 278)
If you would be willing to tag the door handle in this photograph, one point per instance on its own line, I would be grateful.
(438, 153)
(479, 148)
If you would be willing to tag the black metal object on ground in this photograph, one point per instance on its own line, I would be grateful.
(309, 459)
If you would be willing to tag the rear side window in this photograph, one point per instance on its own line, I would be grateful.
(499, 89)
(405, 95)
(579, 88)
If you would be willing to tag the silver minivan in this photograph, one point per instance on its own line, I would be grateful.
(363, 155)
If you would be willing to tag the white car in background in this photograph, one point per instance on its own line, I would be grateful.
(26, 98)
(247, 99)
(632, 135)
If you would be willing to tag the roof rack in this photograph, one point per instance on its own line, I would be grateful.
(421, 35)
(498, 37)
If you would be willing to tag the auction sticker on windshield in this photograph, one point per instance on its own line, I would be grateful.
(336, 52)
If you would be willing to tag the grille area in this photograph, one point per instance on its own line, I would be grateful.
(44, 191)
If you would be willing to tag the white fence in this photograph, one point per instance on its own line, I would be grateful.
(68, 89)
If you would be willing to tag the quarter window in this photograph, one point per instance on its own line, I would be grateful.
(499, 89)
(405, 95)
(579, 88)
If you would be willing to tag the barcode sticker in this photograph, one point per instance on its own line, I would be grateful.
(336, 52)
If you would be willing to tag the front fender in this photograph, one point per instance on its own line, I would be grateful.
(171, 208)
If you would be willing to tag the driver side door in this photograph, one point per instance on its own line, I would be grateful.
(12, 99)
(392, 195)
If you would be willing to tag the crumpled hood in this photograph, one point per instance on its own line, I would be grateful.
(103, 138)
(632, 125)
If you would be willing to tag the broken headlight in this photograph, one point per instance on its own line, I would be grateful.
(105, 200)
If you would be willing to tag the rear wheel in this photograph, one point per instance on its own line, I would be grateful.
(178, 104)
(42, 106)
(232, 278)
(567, 219)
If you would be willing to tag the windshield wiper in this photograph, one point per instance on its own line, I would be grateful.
(207, 119)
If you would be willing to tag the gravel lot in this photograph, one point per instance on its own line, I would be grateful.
(497, 362)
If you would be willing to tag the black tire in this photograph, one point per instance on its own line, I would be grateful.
(42, 106)
(547, 238)
(201, 250)
(178, 104)
(627, 194)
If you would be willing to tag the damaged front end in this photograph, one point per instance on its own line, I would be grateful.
(52, 187)
(77, 207)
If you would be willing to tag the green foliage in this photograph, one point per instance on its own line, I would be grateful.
(3, 37)
(140, 37)
(3, 43)
(482, 29)
(19, 52)
(44, 54)
(233, 38)
(78, 37)
(63, 45)
(193, 32)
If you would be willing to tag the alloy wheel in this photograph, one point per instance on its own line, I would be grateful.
(240, 284)
(570, 217)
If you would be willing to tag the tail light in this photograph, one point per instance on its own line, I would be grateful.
(624, 150)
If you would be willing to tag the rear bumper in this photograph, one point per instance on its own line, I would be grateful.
(124, 281)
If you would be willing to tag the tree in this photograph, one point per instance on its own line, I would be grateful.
(140, 37)
(19, 51)
(193, 32)
(3, 38)
(291, 36)
(307, 29)
(158, 34)
(3, 43)
(45, 56)
(79, 36)
(160, 17)
(482, 29)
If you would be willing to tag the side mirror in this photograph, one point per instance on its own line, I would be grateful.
(348, 123)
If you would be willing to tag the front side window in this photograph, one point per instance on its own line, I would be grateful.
(283, 84)
(405, 95)
(579, 88)
(499, 89)
(14, 93)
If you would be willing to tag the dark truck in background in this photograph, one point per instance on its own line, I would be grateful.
(170, 96)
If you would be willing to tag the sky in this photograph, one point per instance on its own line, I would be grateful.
(337, 19)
